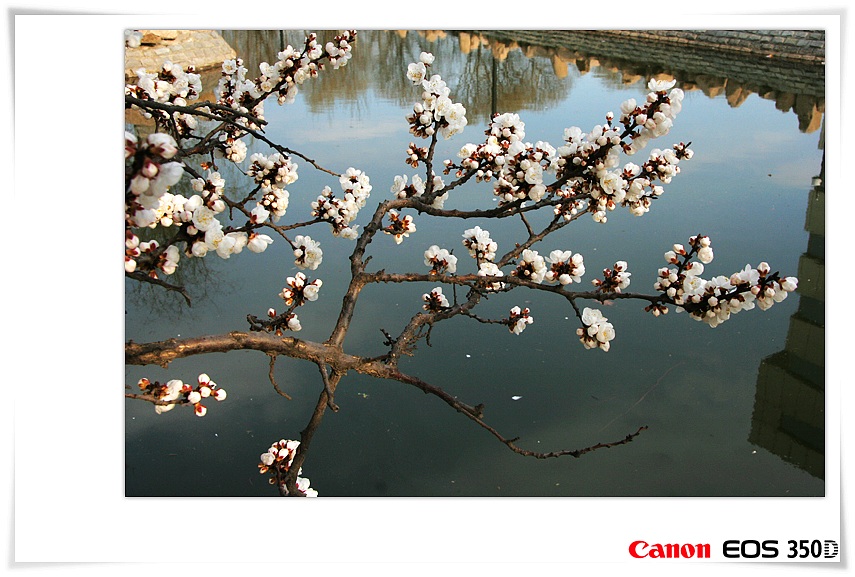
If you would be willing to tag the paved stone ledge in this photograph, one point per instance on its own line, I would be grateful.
(204, 49)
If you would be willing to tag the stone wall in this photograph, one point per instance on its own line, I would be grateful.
(204, 49)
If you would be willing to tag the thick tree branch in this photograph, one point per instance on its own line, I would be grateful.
(163, 352)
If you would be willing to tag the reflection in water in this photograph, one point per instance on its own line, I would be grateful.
(523, 81)
(789, 405)
(532, 70)
(627, 58)
(408, 452)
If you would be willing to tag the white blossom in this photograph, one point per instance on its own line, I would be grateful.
(435, 300)
(531, 266)
(416, 72)
(597, 331)
(479, 244)
(490, 269)
(565, 267)
(519, 320)
(440, 260)
(258, 243)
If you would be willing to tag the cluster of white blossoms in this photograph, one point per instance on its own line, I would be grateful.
(307, 252)
(483, 249)
(654, 118)
(283, 77)
(340, 212)
(519, 320)
(149, 176)
(279, 323)
(182, 393)
(479, 244)
(597, 331)
(714, 300)
(273, 173)
(492, 270)
(565, 267)
(150, 204)
(297, 291)
(569, 206)
(586, 164)
(440, 260)
(631, 186)
(531, 267)
(399, 226)
(417, 187)
(614, 279)
(561, 267)
(277, 461)
(170, 85)
(517, 166)
(401, 189)
(436, 111)
(434, 300)
(149, 172)
(163, 260)
(207, 233)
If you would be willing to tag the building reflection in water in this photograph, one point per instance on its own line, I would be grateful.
(789, 404)
(794, 82)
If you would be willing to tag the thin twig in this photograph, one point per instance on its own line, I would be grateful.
(142, 277)
(327, 388)
(273, 380)
(527, 225)
(476, 415)
(154, 400)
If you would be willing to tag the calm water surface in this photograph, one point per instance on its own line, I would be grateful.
(732, 411)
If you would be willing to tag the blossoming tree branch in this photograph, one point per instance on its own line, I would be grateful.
(583, 177)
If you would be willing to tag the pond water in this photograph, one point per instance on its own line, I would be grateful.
(733, 411)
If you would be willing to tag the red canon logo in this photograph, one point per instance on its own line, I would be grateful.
(641, 549)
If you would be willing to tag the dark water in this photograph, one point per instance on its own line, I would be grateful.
(733, 411)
